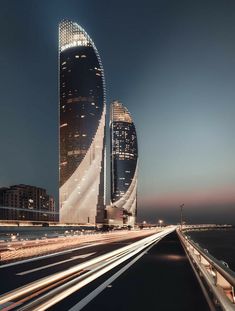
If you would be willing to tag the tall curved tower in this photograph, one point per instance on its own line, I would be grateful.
(82, 127)
(124, 162)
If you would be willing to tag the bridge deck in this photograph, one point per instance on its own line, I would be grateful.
(161, 280)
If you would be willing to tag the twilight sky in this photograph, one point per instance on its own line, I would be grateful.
(172, 63)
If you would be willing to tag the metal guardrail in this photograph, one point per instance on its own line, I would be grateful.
(206, 226)
(46, 292)
(218, 278)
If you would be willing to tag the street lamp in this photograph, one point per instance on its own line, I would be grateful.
(181, 215)
(160, 221)
(13, 237)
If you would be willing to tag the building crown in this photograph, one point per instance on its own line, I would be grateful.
(120, 113)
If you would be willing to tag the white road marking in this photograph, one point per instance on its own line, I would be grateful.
(55, 264)
(82, 303)
(125, 253)
(47, 256)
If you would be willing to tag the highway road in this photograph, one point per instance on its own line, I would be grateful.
(16, 249)
(143, 271)
(23, 272)
(161, 280)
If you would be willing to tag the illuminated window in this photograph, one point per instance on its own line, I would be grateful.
(74, 152)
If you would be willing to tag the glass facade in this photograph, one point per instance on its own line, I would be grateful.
(82, 125)
(124, 160)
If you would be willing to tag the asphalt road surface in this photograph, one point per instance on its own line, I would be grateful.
(18, 274)
(160, 280)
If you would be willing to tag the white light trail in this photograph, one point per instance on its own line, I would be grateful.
(102, 264)
(56, 263)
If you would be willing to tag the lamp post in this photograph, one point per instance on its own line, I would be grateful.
(181, 215)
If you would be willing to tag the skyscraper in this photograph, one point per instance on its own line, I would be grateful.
(27, 203)
(124, 162)
(82, 127)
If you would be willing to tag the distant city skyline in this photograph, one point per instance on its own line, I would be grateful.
(27, 203)
(171, 62)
